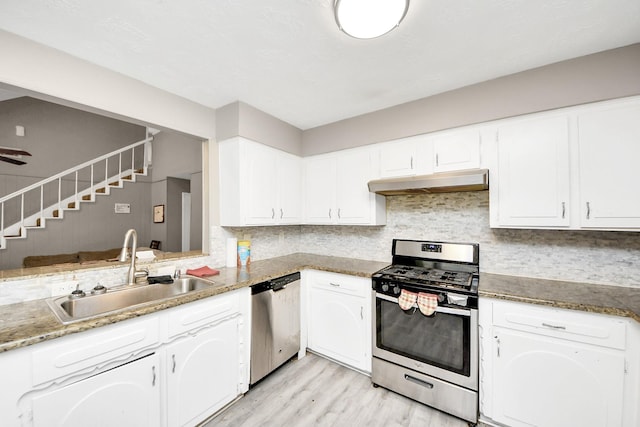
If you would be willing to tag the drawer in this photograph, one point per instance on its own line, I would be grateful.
(75, 353)
(340, 283)
(577, 326)
(201, 313)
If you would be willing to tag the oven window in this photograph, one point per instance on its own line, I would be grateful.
(441, 340)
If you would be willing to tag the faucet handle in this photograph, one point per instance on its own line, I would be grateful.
(177, 273)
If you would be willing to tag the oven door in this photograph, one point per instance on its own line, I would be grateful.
(444, 345)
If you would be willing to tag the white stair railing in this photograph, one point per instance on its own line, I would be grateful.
(20, 219)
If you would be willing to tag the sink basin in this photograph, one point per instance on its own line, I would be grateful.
(69, 310)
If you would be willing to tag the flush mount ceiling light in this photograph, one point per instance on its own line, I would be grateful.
(367, 19)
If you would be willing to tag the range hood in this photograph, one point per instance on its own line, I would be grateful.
(444, 182)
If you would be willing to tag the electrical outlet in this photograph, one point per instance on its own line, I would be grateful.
(63, 288)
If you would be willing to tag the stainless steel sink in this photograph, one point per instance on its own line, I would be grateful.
(69, 310)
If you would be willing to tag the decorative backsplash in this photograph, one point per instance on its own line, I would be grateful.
(604, 257)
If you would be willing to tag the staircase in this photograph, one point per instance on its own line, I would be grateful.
(31, 207)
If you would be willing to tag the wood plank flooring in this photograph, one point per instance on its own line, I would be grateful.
(314, 391)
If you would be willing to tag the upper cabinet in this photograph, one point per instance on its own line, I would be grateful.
(446, 151)
(259, 185)
(456, 150)
(572, 168)
(336, 191)
(406, 157)
(609, 150)
(533, 172)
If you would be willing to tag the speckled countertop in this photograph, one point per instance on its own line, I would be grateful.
(604, 299)
(32, 322)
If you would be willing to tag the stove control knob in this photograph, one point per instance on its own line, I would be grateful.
(441, 297)
(396, 290)
(385, 287)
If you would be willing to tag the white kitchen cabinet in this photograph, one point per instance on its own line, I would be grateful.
(259, 185)
(549, 367)
(128, 395)
(202, 373)
(609, 147)
(572, 168)
(336, 191)
(406, 157)
(533, 180)
(458, 149)
(339, 318)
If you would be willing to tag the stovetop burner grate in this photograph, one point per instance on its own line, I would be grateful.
(428, 276)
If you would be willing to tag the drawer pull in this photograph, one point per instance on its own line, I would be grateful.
(173, 368)
(418, 381)
(337, 285)
(559, 327)
(153, 372)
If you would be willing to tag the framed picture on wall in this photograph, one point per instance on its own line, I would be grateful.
(158, 213)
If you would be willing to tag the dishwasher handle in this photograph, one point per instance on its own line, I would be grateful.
(275, 285)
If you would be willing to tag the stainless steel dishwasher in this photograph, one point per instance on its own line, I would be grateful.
(275, 324)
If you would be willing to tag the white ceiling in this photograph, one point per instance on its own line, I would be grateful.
(287, 58)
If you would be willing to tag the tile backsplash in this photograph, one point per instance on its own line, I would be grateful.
(604, 257)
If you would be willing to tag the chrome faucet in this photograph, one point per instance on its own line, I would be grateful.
(133, 273)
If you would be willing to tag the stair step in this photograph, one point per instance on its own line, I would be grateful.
(139, 171)
(71, 205)
(114, 184)
(127, 178)
(86, 197)
(101, 190)
(56, 213)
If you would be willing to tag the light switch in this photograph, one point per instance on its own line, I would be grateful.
(19, 130)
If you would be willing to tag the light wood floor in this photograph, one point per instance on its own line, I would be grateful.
(314, 391)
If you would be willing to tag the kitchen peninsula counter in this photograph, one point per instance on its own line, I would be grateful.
(31, 322)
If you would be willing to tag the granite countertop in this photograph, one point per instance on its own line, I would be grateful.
(32, 322)
(604, 299)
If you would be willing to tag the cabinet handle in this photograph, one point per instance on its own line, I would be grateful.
(329, 213)
(588, 210)
(173, 368)
(273, 213)
(281, 213)
(361, 313)
(437, 162)
(497, 346)
(153, 372)
(337, 285)
(338, 213)
(548, 325)
(411, 163)
(563, 209)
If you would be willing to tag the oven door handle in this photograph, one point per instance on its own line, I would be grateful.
(445, 310)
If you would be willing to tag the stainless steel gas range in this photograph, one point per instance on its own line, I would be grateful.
(425, 325)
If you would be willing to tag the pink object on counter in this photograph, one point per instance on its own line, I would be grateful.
(203, 272)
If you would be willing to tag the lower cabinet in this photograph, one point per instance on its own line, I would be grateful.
(202, 373)
(552, 367)
(176, 367)
(128, 395)
(339, 319)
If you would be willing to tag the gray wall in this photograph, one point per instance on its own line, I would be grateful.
(241, 119)
(605, 75)
(177, 165)
(57, 137)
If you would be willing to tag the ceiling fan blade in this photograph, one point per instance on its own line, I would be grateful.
(14, 151)
(13, 161)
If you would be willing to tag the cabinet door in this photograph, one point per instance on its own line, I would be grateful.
(533, 173)
(397, 158)
(353, 200)
(319, 194)
(543, 381)
(128, 395)
(609, 144)
(456, 150)
(203, 373)
(261, 185)
(290, 189)
(338, 327)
